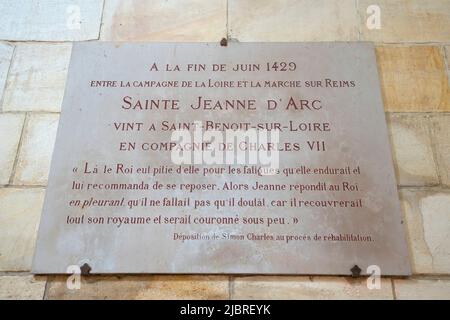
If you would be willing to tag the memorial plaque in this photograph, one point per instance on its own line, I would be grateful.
(201, 158)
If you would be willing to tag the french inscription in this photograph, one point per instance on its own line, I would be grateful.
(199, 158)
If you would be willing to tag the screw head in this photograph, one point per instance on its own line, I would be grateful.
(356, 271)
(85, 269)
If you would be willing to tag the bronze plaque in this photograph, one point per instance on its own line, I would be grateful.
(199, 158)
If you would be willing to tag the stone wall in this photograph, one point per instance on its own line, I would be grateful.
(413, 50)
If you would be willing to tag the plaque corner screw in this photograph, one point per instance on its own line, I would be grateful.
(224, 42)
(356, 271)
(85, 269)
